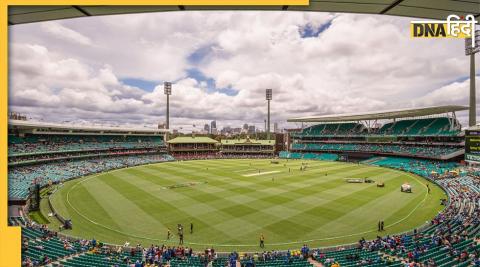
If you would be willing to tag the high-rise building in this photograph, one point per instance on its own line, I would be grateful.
(213, 127)
(206, 128)
(275, 127)
(251, 129)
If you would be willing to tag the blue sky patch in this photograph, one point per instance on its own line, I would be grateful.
(200, 54)
(309, 31)
(140, 83)
(458, 80)
(228, 91)
(196, 74)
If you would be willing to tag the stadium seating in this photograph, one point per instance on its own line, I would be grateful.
(411, 127)
(38, 144)
(419, 127)
(21, 178)
(101, 260)
(331, 129)
(414, 150)
(84, 254)
(197, 260)
(43, 246)
(423, 168)
(352, 257)
(220, 262)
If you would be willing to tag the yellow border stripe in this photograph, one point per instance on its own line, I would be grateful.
(166, 2)
(9, 236)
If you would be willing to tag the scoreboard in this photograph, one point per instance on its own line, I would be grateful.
(472, 145)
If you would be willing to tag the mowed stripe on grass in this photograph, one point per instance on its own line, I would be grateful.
(230, 210)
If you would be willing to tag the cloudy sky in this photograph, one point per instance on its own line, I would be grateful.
(111, 69)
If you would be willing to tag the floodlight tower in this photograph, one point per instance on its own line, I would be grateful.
(268, 95)
(167, 90)
(471, 48)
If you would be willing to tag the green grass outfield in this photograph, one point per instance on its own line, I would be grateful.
(230, 204)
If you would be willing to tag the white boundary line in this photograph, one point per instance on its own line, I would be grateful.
(245, 245)
(99, 224)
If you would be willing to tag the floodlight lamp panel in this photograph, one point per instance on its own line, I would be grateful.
(167, 88)
(268, 93)
(469, 50)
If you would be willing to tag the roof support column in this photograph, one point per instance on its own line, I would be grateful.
(472, 121)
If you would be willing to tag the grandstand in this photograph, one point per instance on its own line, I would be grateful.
(441, 126)
(43, 153)
(247, 148)
(430, 133)
(193, 147)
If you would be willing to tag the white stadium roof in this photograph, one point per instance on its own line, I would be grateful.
(44, 127)
(382, 115)
(432, 9)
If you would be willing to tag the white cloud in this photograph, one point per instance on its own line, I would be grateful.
(371, 65)
(61, 32)
(453, 93)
